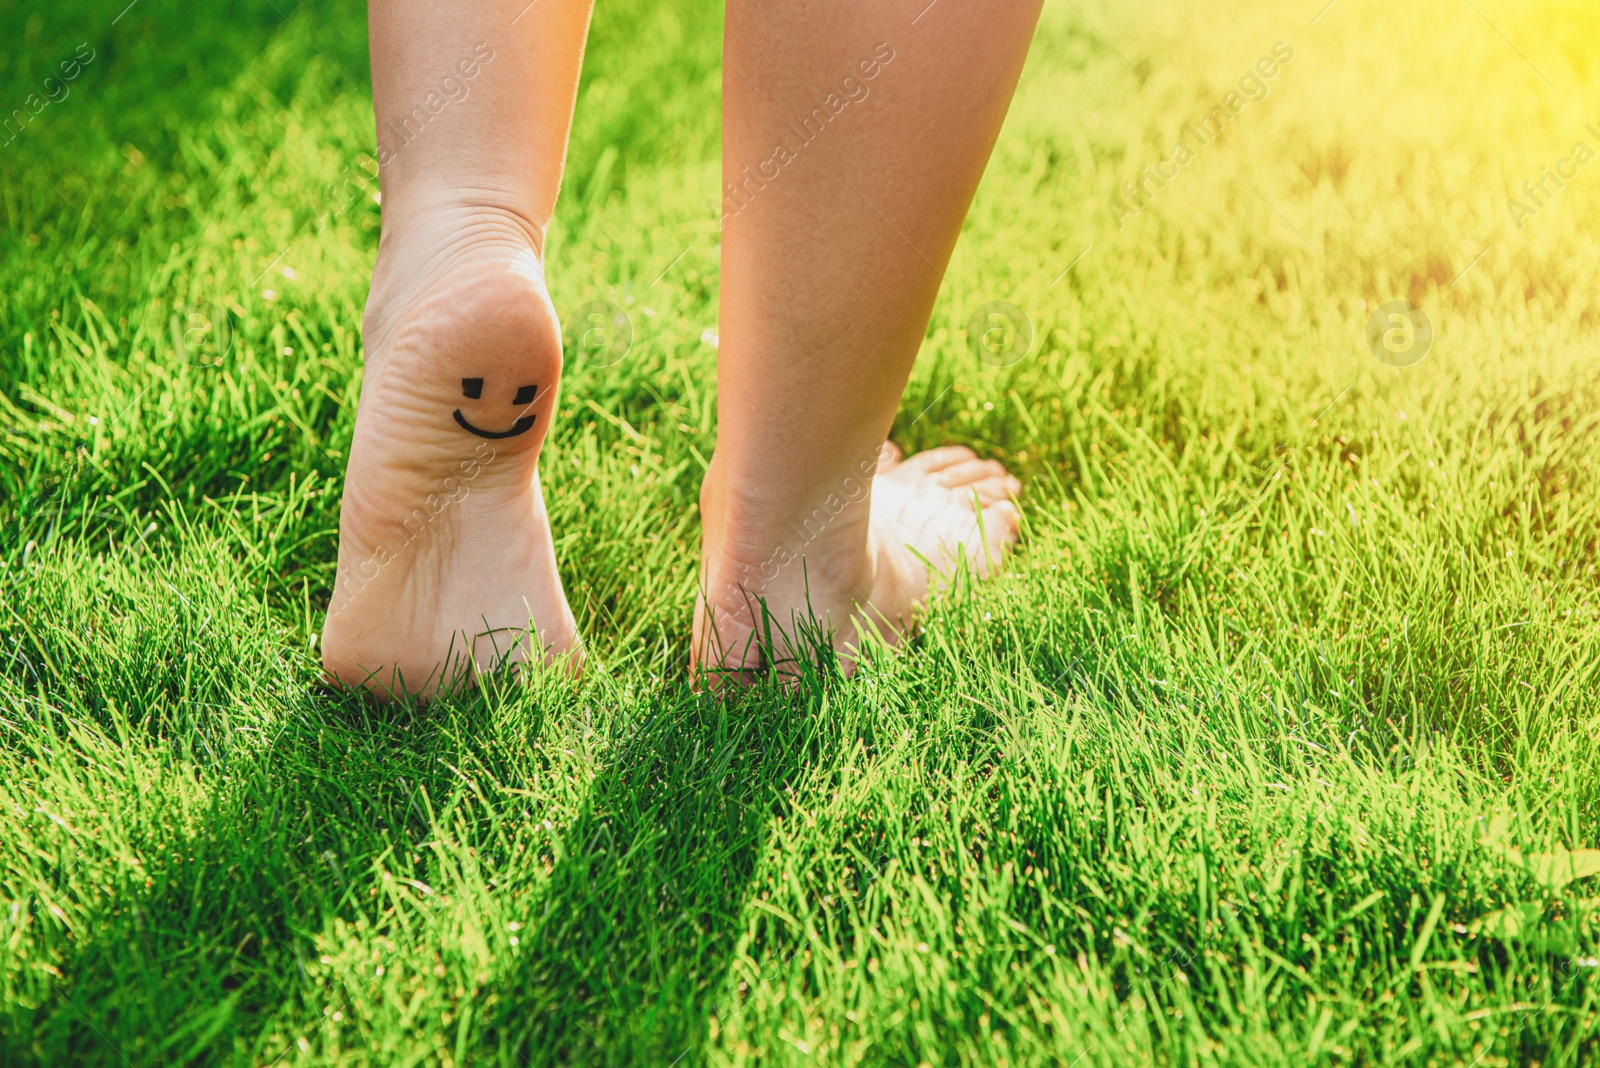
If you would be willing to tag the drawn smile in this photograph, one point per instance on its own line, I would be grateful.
(472, 389)
(521, 426)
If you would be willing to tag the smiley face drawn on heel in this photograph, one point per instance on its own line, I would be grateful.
(472, 389)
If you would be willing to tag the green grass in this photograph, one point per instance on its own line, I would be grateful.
(1290, 684)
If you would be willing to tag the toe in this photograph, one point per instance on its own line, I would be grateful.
(931, 460)
(1004, 521)
(998, 488)
(971, 472)
(1001, 524)
(889, 455)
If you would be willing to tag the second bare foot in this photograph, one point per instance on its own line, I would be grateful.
(863, 557)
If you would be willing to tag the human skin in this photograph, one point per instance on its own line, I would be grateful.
(829, 273)
(446, 561)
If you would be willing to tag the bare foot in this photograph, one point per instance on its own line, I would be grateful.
(446, 564)
(859, 558)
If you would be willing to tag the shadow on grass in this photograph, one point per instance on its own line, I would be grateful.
(204, 952)
(640, 926)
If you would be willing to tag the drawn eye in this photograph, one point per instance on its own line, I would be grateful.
(472, 388)
(525, 394)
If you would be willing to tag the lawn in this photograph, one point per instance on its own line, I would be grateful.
(1278, 742)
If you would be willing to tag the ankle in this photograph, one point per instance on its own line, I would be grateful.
(442, 213)
(758, 542)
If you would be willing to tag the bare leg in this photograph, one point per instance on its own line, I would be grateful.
(853, 141)
(445, 555)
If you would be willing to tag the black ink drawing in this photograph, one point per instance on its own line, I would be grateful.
(472, 389)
